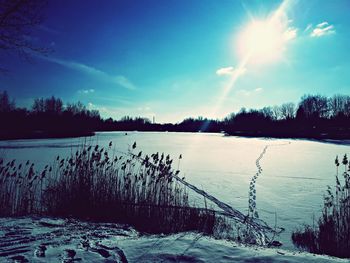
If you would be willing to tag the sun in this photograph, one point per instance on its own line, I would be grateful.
(263, 40)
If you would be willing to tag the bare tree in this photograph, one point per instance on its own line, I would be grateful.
(76, 108)
(53, 105)
(276, 112)
(347, 107)
(38, 105)
(49, 105)
(287, 110)
(337, 104)
(268, 112)
(315, 106)
(18, 18)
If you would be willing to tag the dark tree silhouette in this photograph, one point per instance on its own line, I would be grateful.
(316, 117)
(314, 106)
(38, 105)
(6, 105)
(53, 105)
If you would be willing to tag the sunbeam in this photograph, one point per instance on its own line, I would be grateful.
(260, 41)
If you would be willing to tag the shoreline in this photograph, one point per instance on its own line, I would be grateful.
(45, 135)
(343, 140)
(325, 138)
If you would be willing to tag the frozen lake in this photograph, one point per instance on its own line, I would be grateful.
(295, 173)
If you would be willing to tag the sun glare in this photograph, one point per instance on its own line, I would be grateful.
(262, 40)
(265, 40)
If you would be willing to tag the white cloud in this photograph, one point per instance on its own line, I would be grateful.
(258, 90)
(224, 71)
(322, 29)
(323, 24)
(230, 71)
(86, 91)
(119, 79)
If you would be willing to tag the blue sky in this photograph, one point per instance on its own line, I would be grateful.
(177, 59)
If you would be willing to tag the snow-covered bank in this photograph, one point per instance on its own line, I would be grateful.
(57, 240)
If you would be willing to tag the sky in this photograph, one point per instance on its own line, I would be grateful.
(185, 58)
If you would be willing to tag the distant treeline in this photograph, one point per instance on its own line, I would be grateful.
(315, 116)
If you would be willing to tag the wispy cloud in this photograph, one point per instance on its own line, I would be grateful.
(308, 28)
(124, 82)
(113, 99)
(322, 29)
(144, 109)
(86, 91)
(230, 71)
(119, 79)
(247, 93)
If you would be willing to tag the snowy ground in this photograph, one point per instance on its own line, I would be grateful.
(57, 240)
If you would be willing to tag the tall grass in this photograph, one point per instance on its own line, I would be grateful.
(96, 183)
(332, 234)
(102, 184)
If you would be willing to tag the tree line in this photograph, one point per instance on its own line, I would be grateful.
(47, 118)
(315, 116)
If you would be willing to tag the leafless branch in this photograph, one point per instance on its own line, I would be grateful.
(18, 19)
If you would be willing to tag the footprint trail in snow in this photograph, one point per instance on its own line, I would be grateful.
(252, 211)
